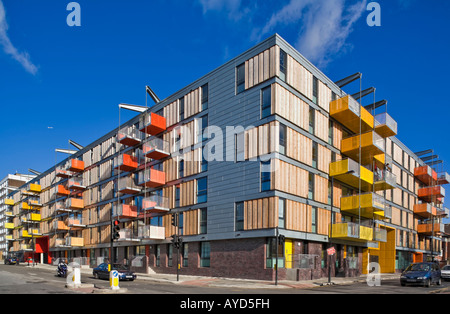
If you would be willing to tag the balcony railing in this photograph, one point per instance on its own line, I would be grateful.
(76, 183)
(125, 162)
(349, 112)
(431, 194)
(129, 136)
(425, 210)
(126, 185)
(151, 178)
(156, 148)
(124, 211)
(75, 165)
(371, 204)
(384, 180)
(348, 171)
(59, 225)
(443, 178)
(430, 229)
(155, 204)
(74, 241)
(385, 125)
(127, 235)
(426, 175)
(75, 203)
(351, 231)
(61, 190)
(151, 232)
(372, 144)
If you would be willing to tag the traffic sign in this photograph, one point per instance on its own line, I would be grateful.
(331, 251)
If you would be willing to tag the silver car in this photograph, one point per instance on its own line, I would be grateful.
(445, 272)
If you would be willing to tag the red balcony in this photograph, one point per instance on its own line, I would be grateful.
(431, 194)
(152, 178)
(75, 165)
(426, 175)
(126, 163)
(430, 229)
(129, 136)
(153, 124)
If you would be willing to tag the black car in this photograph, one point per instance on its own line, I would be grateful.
(101, 271)
(11, 260)
(422, 274)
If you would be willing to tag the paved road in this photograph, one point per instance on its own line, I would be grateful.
(31, 280)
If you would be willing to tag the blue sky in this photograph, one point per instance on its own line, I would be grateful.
(59, 82)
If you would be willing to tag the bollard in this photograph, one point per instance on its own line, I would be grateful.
(114, 280)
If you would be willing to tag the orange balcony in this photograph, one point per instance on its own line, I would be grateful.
(372, 144)
(151, 178)
(126, 163)
(153, 124)
(125, 211)
(425, 210)
(75, 165)
(75, 183)
(156, 148)
(59, 225)
(126, 185)
(430, 229)
(62, 191)
(426, 175)
(431, 194)
(129, 136)
(75, 203)
(75, 223)
(443, 178)
(74, 241)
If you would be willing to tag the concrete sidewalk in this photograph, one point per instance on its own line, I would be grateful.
(238, 283)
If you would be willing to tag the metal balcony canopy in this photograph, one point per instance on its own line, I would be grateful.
(364, 93)
(434, 163)
(424, 152)
(66, 151)
(430, 157)
(34, 171)
(133, 107)
(152, 94)
(348, 80)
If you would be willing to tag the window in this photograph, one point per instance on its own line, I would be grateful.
(330, 187)
(239, 142)
(281, 212)
(312, 120)
(204, 162)
(181, 108)
(314, 219)
(266, 102)
(177, 196)
(271, 253)
(202, 124)
(265, 176)
(283, 65)
(181, 169)
(315, 154)
(205, 97)
(239, 216)
(240, 78)
(169, 255)
(205, 252)
(311, 186)
(315, 97)
(202, 185)
(180, 223)
(330, 132)
(184, 252)
(203, 220)
(282, 140)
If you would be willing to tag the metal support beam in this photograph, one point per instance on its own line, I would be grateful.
(424, 152)
(34, 171)
(430, 157)
(75, 144)
(365, 92)
(376, 105)
(66, 151)
(348, 80)
(152, 94)
(133, 107)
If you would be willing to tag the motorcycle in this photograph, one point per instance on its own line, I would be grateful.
(62, 270)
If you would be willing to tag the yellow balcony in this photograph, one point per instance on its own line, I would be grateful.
(9, 225)
(349, 172)
(9, 201)
(351, 231)
(34, 188)
(25, 234)
(24, 206)
(34, 217)
(385, 125)
(372, 144)
(371, 205)
(349, 112)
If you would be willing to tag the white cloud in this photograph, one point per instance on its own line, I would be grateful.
(323, 26)
(22, 57)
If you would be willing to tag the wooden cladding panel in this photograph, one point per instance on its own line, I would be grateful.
(298, 147)
(320, 189)
(187, 193)
(297, 216)
(321, 126)
(324, 96)
(289, 178)
(261, 140)
(290, 107)
(192, 103)
(262, 67)
(299, 77)
(191, 222)
(172, 113)
(261, 213)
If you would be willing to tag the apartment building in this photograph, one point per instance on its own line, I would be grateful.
(8, 184)
(265, 145)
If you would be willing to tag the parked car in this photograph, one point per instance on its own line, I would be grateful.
(445, 272)
(421, 273)
(11, 260)
(101, 271)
